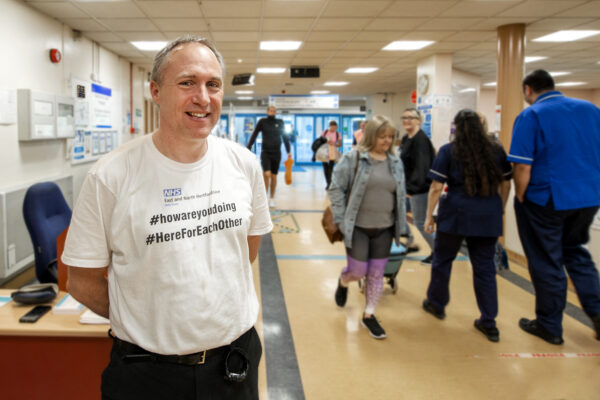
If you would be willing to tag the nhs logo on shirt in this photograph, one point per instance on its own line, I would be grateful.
(172, 196)
(171, 192)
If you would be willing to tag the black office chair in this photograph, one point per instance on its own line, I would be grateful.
(46, 215)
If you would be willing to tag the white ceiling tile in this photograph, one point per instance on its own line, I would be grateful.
(321, 45)
(59, 10)
(235, 36)
(539, 8)
(478, 8)
(171, 8)
(494, 23)
(293, 8)
(354, 45)
(314, 53)
(394, 24)
(298, 36)
(227, 9)
(119, 47)
(330, 36)
(416, 8)
(142, 36)
(129, 24)
(340, 24)
(444, 24)
(449, 46)
(426, 35)
(172, 35)
(373, 36)
(287, 24)
(557, 24)
(246, 46)
(589, 9)
(102, 36)
(472, 36)
(358, 8)
(178, 24)
(84, 24)
(118, 9)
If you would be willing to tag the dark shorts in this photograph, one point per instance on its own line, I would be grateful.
(270, 161)
(131, 378)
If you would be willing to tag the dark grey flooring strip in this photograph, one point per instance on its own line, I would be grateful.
(283, 373)
(571, 309)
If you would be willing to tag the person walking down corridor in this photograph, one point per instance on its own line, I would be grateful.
(556, 150)
(334, 141)
(273, 132)
(478, 178)
(417, 154)
(368, 202)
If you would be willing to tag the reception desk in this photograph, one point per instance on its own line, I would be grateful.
(53, 358)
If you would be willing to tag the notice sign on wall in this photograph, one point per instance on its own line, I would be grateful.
(315, 101)
(101, 106)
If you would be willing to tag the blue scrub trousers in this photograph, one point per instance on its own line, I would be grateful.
(481, 254)
(550, 240)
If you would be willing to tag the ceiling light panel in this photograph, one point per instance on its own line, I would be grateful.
(361, 70)
(334, 83)
(407, 45)
(270, 70)
(149, 46)
(531, 59)
(281, 45)
(566, 36)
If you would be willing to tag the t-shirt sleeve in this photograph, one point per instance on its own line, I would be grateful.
(522, 146)
(260, 222)
(87, 243)
(441, 165)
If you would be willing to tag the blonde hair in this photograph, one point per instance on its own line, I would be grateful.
(376, 126)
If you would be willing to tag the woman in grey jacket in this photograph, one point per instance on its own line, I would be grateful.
(367, 196)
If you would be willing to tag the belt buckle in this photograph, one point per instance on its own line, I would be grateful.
(202, 358)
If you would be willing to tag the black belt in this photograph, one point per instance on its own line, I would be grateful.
(133, 353)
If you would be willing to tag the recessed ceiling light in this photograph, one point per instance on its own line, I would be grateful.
(408, 45)
(149, 46)
(239, 60)
(270, 70)
(335, 83)
(244, 98)
(559, 73)
(566, 36)
(467, 90)
(531, 59)
(361, 70)
(282, 45)
(570, 83)
(490, 84)
(319, 91)
(244, 91)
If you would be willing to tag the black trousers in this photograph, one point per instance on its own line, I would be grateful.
(154, 380)
(328, 170)
(552, 239)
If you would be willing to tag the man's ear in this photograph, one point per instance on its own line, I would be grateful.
(154, 91)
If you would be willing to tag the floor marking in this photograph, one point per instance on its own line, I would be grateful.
(283, 373)
(284, 222)
(549, 355)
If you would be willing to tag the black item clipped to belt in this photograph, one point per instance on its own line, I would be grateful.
(237, 376)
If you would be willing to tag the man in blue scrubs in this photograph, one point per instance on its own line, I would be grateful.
(556, 151)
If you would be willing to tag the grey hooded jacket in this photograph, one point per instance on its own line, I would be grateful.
(345, 215)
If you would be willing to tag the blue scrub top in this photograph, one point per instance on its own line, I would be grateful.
(560, 138)
(459, 213)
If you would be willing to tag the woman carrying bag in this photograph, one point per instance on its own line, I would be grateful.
(368, 204)
(334, 141)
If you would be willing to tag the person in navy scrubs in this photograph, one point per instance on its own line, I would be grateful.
(556, 150)
(478, 178)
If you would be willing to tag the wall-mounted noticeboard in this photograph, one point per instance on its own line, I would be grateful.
(90, 145)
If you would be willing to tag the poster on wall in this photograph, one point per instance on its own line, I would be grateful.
(101, 106)
(90, 145)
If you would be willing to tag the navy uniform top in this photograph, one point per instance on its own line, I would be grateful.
(560, 138)
(272, 133)
(459, 213)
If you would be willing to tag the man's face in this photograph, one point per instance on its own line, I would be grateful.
(191, 92)
(271, 111)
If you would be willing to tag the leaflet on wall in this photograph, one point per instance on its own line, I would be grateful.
(101, 106)
(91, 145)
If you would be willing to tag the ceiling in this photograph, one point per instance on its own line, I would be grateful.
(339, 34)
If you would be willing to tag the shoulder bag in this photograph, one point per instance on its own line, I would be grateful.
(331, 229)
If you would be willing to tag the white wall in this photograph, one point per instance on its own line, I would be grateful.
(26, 36)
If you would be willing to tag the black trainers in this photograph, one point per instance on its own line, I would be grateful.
(341, 294)
(427, 260)
(373, 326)
(491, 333)
(531, 326)
(427, 306)
(596, 321)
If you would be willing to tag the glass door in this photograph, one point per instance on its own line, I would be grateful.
(305, 127)
(350, 123)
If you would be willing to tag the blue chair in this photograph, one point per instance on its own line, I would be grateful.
(46, 215)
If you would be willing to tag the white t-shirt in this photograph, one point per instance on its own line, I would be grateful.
(175, 239)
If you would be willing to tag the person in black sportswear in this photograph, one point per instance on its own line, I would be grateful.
(272, 133)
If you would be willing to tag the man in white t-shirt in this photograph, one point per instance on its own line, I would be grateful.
(175, 220)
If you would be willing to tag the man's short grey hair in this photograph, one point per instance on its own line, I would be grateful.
(161, 57)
